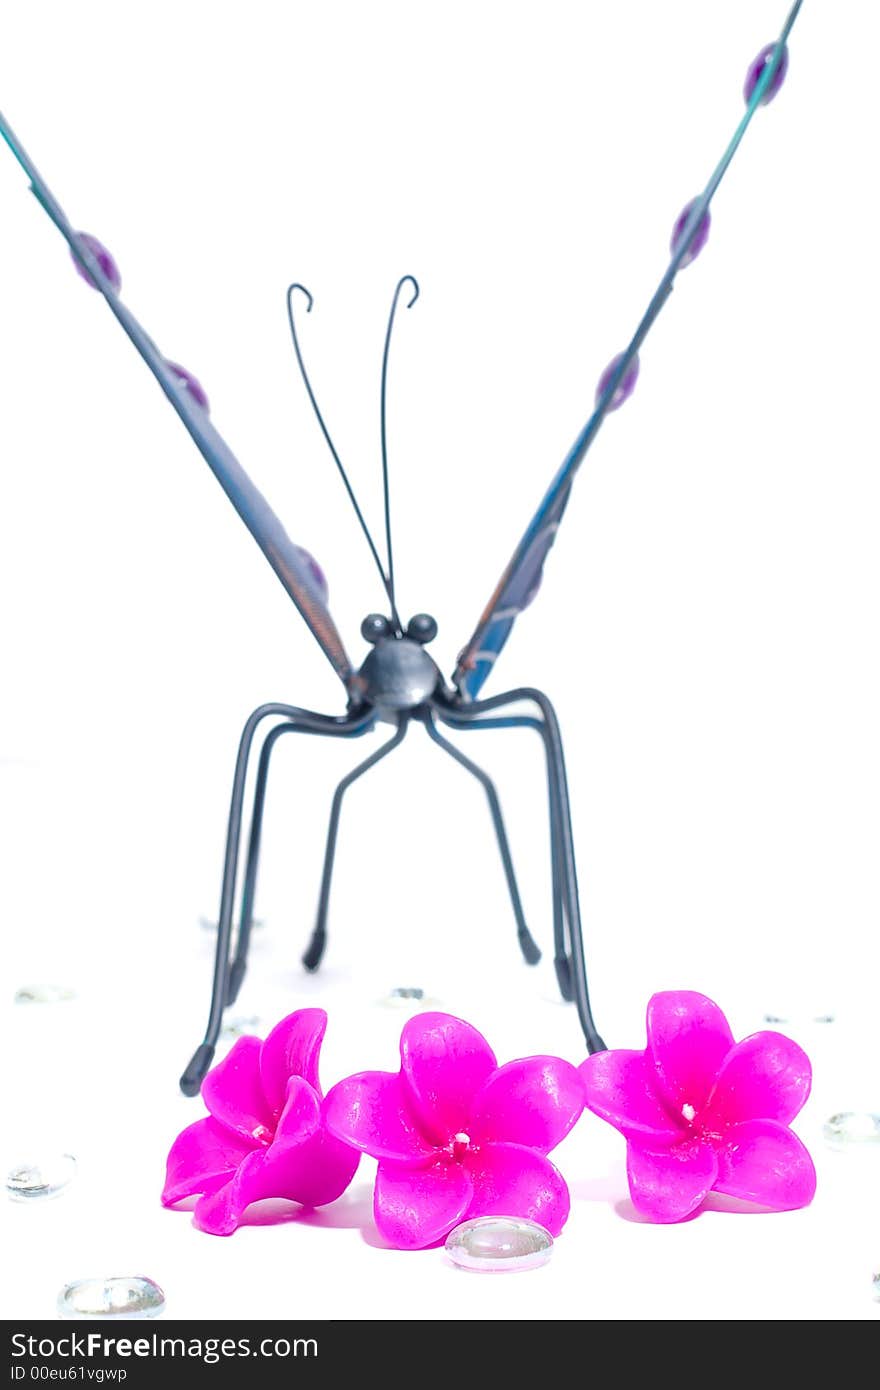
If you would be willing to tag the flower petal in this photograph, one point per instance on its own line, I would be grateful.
(620, 1087)
(233, 1094)
(532, 1101)
(304, 1164)
(301, 1115)
(371, 1111)
(322, 1166)
(512, 1180)
(201, 1159)
(324, 1170)
(219, 1212)
(668, 1184)
(688, 1039)
(415, 1207)
(292, 1049)
(444, 1063)
(296, 1172)
(765, 1077)
(763, 1161)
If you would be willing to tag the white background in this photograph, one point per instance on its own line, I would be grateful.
(707, 625)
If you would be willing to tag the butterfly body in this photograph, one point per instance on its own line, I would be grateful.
(398, 677)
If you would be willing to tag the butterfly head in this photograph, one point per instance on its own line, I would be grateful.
(421, 629)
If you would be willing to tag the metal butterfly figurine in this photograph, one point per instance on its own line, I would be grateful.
(399, 683)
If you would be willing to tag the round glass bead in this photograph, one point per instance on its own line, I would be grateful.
(625, 386)
(795, 1016)
(193, 386)
(104, 259)
(700, 238)
(43, 994)
(240, 1026)
(408, 998)
(126, 1296)
(499, 1243)
(210, 923)
(852, 1129)
(755, 72)
(29, 1182)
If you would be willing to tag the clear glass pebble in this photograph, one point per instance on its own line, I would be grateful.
(499, 1243)
(240, 1025)
(210, 923)
(44, 994)
(124, 1296)
(408, 997)
(851, 1128)
(776, 1017)
(28, 1182)
(875, 1282)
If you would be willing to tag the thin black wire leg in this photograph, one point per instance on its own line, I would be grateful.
(246, 916)
(194, 1073)
(248, 895)
(311, 957)
(566, 845)
(528, 945)
(572, 895)
(460, 720)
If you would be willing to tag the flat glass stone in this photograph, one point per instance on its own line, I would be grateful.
(795, 1016)
(852, 1128)
(124, 1296)
(210, 923)
(44, 994)
(408, 997)
(240, 1025)
(875, 1283)
(28, 1182)
(499, 1243)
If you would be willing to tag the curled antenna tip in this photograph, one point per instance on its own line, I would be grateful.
(302, 289)
(415, 284)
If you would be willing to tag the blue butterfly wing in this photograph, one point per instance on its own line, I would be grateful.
(520, 580)
(515, 590)
(289, 562)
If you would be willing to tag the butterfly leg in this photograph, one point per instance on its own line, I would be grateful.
(313, 953)
(572, 977)
(248, 895)
(528, 945)
(460, 720)
(246, 915)
(572, 896)
(193, 1075)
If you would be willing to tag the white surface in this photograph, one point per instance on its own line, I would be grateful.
(707, 625)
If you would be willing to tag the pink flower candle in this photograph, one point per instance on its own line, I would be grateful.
(456, 1136)
(263, 1135)
(702, 1113)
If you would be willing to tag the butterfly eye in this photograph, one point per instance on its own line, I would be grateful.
(421, 628)
(375, 627)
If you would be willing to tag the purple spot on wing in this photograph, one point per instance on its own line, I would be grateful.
(192, 384)
(104, 259)
(756, 70)
(625, 386)
(700, 239)
(315, 571)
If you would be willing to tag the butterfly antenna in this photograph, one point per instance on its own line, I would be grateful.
(411, 280)
(386, 580)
